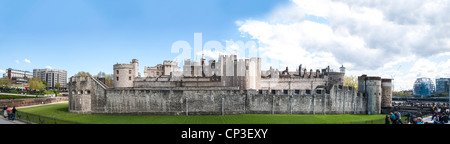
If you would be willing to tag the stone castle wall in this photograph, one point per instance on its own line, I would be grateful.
(96, 99)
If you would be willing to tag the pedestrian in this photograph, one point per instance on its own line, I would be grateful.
(419, 120)
(9, 114)
(392, 118)
(386, 120)
(13, 113)
(5, 113)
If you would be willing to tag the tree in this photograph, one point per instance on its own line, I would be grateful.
(5, 82)
(109, 79)
(37, 84)
(83, 74)
(56, 90)
(351, 81)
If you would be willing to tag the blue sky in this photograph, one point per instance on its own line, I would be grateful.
(86, 35)
(377, 38)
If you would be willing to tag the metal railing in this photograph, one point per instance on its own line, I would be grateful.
(38, 119)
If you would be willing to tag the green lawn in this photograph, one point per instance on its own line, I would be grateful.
(60, 111)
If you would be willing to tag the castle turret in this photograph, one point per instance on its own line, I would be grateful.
(386, 92)
(342, 69)
(124, 74)
(371, 87)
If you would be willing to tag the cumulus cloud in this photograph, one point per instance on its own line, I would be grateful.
(365, 35)
(27, 60)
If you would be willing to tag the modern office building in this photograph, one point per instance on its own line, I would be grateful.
(423, 87)
(442, 85)
(52, 77)
(18, 77)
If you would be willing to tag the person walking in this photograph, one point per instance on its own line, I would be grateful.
(393, 119)
(13, 113)
(9, 114)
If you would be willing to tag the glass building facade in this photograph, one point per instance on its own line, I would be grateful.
(442, 85)
(424, 87)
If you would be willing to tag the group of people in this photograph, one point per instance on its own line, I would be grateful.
(396, 118)
(440, 116)
(9, 113)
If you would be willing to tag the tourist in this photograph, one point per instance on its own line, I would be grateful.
(445, 117)
(5, 113)
(398, 118)
(436, 120)
(392, 118)
(419, 120)
(9, 114)
(13, 113)
(386, 120)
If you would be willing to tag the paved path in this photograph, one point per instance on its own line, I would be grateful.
(6, 121)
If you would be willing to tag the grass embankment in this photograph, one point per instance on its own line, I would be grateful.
(17, 97)
(60, 111)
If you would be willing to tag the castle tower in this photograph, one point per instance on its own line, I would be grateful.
(386, 92)
(371, 87)
(342, 69)
(124, 74)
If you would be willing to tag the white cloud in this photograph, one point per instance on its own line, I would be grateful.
(366, 36)
(48, 67)
(2, 72)
(17, 61)
(27, 60)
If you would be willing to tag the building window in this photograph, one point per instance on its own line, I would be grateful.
(297, 91)
(129, 71)
(117, 71)
(129, 78)
(88, 92)
(274, 92)
(117, 78)
(80, 92)
(308, 91)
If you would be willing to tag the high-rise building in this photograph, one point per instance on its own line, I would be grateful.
(18, 77)
(52, 77)
(442, 85)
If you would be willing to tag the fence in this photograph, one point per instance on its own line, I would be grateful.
(38, 119)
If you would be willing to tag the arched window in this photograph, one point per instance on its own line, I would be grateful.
(80, 92)
(87, 92)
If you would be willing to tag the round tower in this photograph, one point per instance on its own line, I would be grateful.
(386, 94)
(373, 93)
(123, 75)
